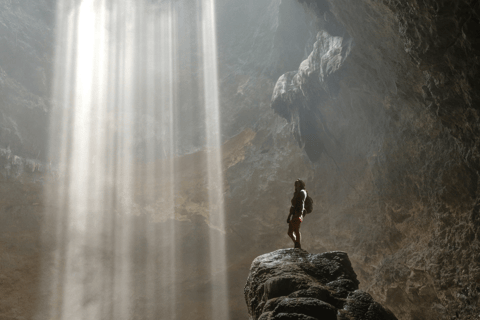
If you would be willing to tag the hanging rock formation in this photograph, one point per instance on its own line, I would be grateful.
(294, 284)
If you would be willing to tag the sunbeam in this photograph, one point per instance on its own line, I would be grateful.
(114, 140)
(214, 162)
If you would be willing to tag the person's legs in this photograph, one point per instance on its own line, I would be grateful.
(297, 234)
(290, 231)
(294, 231)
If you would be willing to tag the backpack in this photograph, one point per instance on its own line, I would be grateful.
(308, 204)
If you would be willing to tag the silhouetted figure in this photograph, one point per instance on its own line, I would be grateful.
(297, 211)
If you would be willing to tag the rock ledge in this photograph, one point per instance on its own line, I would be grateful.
(294, 284)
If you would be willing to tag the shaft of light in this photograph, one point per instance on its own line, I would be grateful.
(116, 73)
(220, 308)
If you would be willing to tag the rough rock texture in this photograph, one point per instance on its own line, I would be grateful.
(26, 56)
(394, 147)
(293, 284)
(26, 59)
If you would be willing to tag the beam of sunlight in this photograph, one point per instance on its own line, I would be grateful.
(84, 198)
(220, 308)
(114, 145)
(149, 191)
(167, 230)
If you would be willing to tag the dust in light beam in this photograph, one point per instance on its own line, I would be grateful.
(116, 84)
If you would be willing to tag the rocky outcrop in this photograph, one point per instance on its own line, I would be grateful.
(293, 284)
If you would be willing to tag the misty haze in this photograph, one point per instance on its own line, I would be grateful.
(150, 151)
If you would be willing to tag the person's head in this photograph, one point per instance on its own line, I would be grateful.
(299, 185)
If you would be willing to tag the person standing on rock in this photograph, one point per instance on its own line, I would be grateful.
(297, 211)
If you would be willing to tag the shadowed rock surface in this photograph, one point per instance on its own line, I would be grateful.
(400, 131)
(294, 284)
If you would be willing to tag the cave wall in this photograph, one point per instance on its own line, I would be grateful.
(372, 103)
(26, 60)
(394, 148)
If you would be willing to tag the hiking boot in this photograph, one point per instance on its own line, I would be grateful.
(297, 245)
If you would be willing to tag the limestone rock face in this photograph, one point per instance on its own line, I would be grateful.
(297, 94)
(26, 62)
(394, 149)
(293, 284)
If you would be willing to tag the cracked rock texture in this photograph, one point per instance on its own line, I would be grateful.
(294, 284)
(387, 112)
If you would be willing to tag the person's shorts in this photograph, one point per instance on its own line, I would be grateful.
(295, 223)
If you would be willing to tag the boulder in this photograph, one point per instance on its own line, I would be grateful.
(295, 284)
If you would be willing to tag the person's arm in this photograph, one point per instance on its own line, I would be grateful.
(300, 205)
(303, 200)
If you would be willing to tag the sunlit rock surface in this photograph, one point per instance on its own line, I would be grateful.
(294, 284)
